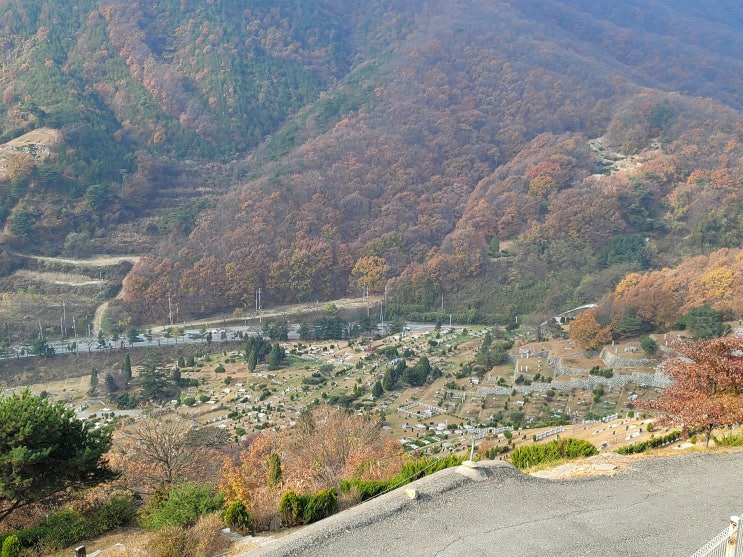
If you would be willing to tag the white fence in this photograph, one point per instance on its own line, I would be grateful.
(724, 544)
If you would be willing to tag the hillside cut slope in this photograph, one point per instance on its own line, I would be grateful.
(509, 157)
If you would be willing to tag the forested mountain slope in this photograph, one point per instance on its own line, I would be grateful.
(509, 157)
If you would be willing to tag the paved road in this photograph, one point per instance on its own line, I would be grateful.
(669, 507)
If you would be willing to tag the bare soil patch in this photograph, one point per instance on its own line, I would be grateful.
(36, 144)
(66, 279)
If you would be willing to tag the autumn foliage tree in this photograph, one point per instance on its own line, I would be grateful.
(326, 446)
(707, 385)
(588, 332)
(368, 273)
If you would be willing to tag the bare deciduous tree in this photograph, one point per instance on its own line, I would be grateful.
(159, 450)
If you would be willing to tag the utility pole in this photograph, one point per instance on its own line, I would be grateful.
(170, 310)
(258, 305)
(63, 325)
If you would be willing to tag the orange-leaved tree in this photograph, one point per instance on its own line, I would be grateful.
(588, 332)
(706, 388)
(327, 445)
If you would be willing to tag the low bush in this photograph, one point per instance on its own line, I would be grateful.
(305, 509)
(11, 546)
(411, 471)
(116, 511)
(493, 452)
(650, 444)
(203, 539)
(729, 440)
(182, 506)
(170, 541)
(59, 530)
(562, 449)
(320, 505)
(237, 517)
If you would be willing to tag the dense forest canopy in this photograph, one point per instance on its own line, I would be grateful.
(512, 157)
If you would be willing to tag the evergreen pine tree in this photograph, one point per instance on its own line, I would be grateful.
(111, 385)
(275, 357)
(252, 360)
(126, 369)
(377, 390)
(274, 470)
(388, 382)
(93, 379)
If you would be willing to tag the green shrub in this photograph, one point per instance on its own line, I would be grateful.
(366, 489)
(305, 509)
(555, 450)
(30, 536)
(237, 517)
(219, 369)
(182, 506)
(650, 444)
(11, 546)
(493, 452)
(291, 507)
(416, 469)
(118, 510)
(729, 440)
(61, 530)
(320, 505)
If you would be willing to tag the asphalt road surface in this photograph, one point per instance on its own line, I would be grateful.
(662, 507)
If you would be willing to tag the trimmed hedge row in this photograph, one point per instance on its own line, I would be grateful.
(555, 450)
(650, 444)
(304, 509)
(411, 471)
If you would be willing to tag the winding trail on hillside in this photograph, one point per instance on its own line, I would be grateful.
(99, 261)
(280, 311)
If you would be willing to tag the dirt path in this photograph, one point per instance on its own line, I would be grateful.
(101, 261)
